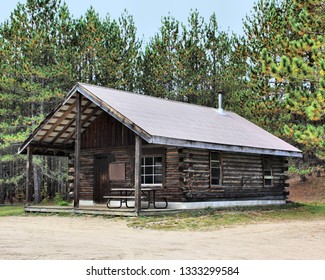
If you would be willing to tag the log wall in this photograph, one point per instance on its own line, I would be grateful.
(242, 176)
(187, 175)
(87, 170)
(187, 171)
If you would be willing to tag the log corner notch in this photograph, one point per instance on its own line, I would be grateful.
(77, 148)
(29, 175)
(137, 174)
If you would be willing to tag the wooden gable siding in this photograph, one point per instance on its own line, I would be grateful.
(105, 131)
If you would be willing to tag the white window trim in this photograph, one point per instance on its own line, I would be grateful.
(153, 184)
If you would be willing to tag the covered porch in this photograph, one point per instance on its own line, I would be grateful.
(84, 130)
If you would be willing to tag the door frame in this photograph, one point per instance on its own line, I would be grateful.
(97, 193)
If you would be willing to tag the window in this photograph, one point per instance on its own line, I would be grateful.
(267, 171)
(151, 171)
(215, 169)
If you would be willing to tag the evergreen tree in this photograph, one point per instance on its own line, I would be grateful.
(264, 30)
(302, 69)
(226, 67)
(285, 47)
(33, 77)
(159, 62)
(191, 62)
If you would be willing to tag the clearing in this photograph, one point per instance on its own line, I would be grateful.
(40, 237)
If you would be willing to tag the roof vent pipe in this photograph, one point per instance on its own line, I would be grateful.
(220, 101)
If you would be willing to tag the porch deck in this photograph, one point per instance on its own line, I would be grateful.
(99, 209)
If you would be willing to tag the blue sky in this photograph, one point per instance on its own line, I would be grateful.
(148, 13)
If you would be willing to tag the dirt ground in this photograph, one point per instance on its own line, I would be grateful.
(84, 238)
(312, 190)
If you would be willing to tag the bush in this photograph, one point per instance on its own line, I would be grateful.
(58, 200)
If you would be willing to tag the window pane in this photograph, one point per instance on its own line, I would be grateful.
(267, 173)
(215, 181)
(158, 179)
(266, 163)
(149, 180)
(215, 164)
(158, 160)
(215, 156)
(268, 182)
(215, 172)
(158, 170)
(149, 170)
(149, 160)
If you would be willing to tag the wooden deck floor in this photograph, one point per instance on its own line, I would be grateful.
(98, 210)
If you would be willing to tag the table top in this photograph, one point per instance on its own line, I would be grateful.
(132, 189)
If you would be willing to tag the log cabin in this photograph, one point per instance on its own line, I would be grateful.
(191, 156)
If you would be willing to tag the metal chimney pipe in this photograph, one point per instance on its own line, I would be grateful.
(220, 101)
(220, 109)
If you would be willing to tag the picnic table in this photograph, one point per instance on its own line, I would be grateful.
(128, 194)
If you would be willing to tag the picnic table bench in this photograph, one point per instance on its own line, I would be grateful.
(127, 194)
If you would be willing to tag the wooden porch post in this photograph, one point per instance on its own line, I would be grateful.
(137, 174)
(29, 175)
(77, 146)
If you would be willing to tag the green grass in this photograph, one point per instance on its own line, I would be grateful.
(11, 211)
(209, 219)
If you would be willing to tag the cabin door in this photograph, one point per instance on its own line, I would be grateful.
(101, 176)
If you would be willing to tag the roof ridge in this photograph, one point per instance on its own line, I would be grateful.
(155, 97)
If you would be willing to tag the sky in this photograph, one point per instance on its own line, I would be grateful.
(147, 14)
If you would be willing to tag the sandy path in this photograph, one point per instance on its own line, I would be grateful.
(68, 238)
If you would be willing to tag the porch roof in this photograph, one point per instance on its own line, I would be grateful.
(157, 121)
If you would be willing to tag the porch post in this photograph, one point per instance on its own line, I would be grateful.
(29, 174)
(137, 174)
(77, 146)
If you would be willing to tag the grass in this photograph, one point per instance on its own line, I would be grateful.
(209, 219)
(11, 211)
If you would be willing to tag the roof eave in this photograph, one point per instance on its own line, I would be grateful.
(220, 147)
(46, 120)
(114, 113)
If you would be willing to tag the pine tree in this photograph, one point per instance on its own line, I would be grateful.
(159, 61)
(33, 78)
(288, 75)
(263, 41)
(226, 68)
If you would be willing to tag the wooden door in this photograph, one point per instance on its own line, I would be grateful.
(101, 182)
(101, 178)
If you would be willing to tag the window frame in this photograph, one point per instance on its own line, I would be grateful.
(212, 167)
(149, 151)
(153, 174)
(268, 168)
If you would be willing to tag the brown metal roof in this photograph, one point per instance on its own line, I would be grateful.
(159, 121)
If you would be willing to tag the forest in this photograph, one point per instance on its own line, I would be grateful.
(273, 75)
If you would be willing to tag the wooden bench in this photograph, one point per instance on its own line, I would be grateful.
(126, 194)
(121, 199)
